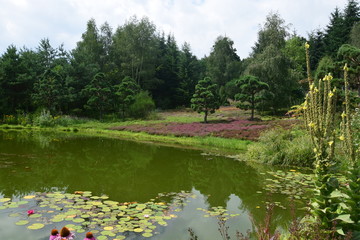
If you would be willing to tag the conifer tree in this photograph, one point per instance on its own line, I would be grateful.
(205, 98)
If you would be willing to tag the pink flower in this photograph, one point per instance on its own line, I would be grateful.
(31, 211)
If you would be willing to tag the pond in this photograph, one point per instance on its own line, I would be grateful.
(122, 189)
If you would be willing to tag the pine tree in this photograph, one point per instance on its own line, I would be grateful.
(99, 94)
(335, 32)
(250, 86)
(126, 92)
(205, 98)
(351, 17)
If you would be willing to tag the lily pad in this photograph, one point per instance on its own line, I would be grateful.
(147, 234)
(5, 200)
(36, 226)
(22, 222)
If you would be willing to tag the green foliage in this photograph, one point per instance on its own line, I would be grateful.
(319, 113)
(355, 35)
(99, 94)
(272, 33)
(205, 98)
(134, 51)
(350, 55)
(326, 66)
(231, 89)
(335, 32)
(44, 119)
(126, 92)
(189, 73)
(48, 90)
(223, 64)
(143, 105)
(332, 201)
(250, 87)
(355, 125)
(168, 60)
(66, 120)
(351, 18)
(273, 67)
(317, 50)
(294, 49)
(282, 147)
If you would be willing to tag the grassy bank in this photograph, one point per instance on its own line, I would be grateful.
(229, 131)
(99, 129)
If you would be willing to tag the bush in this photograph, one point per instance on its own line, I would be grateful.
(66, 120)
(44, 119)
(142, 106)
(283, 147)
(9, 119)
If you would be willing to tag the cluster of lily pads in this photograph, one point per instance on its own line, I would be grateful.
(293, 184)
(82, 212)
(219, 212)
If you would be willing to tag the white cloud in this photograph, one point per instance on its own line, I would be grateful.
(198, 22)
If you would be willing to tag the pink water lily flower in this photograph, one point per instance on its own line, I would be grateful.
(31, 211)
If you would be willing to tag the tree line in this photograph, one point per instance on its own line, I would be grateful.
(136, 67)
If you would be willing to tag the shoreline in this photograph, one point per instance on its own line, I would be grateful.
(218, 145)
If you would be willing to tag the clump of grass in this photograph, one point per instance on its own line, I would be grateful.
(283, 147)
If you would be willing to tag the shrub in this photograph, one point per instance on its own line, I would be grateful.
(66, 120)
(44, 119)
(282, 147)
(9, 119)
(142, 106)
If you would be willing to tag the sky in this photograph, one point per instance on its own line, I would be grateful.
(197, 22)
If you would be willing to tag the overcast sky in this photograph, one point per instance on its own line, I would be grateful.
(198, 22)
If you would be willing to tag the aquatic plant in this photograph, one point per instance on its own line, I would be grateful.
(81, 211)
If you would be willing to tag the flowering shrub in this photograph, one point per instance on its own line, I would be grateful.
(9, 119)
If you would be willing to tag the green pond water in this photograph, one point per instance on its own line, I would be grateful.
(182, 184)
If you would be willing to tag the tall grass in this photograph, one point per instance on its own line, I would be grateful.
(283, 147)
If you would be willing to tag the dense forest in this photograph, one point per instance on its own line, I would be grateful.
(137, 66)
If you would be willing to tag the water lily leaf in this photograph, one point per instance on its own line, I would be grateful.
(78, 220)
(36, 215)
(22, 222)
(14, 215)
(29, 197)
(119, 237)
(102, 237)
(5, 200)
(147, 234)
(36, 226)
(138, 230)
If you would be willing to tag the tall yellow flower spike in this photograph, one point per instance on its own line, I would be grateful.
(307, 46)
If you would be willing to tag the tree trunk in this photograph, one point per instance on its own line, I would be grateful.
(205, 117)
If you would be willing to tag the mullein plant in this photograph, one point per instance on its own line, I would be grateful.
(351, 189)
(332, 203)
(319, 114)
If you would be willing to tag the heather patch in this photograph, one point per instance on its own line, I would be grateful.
(232, 128)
